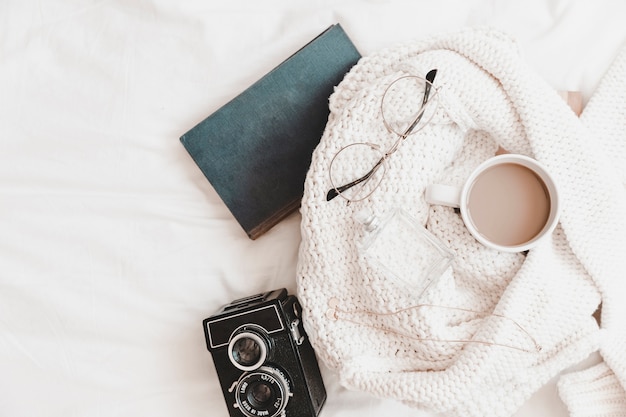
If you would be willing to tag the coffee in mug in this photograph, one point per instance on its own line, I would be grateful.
(508, 203)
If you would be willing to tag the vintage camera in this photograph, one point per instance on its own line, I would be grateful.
(264, 360)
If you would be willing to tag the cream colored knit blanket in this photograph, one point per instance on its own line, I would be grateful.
(372, 331)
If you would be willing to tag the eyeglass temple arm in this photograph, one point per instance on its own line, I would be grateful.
(430, 77)
(334, 192)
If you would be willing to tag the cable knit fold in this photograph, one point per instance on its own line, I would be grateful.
(514, 320)
(594, 392)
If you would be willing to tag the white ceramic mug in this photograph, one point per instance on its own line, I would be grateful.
(508, 203)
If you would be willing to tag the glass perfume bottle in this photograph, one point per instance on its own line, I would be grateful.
(403, 250)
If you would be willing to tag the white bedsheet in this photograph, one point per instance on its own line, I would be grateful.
(113, 245)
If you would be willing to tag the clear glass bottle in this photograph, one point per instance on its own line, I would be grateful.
(403, 249)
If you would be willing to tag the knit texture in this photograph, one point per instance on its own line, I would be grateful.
(599, 391)
(372, 330)
(595, 392)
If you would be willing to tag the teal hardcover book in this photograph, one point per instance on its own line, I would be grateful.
(256, 149)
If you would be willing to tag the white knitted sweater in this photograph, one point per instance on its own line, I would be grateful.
(368, 328)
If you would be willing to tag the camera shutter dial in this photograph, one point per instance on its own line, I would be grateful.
(247, 350)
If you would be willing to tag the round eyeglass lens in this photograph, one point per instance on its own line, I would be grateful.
(356, 170)
(408, 104)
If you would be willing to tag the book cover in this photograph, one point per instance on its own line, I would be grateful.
(256, 149)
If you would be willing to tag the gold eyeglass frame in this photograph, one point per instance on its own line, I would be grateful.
(430, 91)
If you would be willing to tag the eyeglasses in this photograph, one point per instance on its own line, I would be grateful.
(406, 106)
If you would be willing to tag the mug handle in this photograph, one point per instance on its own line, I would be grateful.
(443, 195)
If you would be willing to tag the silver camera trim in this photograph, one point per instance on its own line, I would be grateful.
(246, 332)
(247, 312)
(272, 375)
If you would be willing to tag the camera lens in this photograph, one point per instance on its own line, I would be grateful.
(262, 393)
(247, 351)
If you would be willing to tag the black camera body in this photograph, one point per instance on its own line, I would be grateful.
(263, 358)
